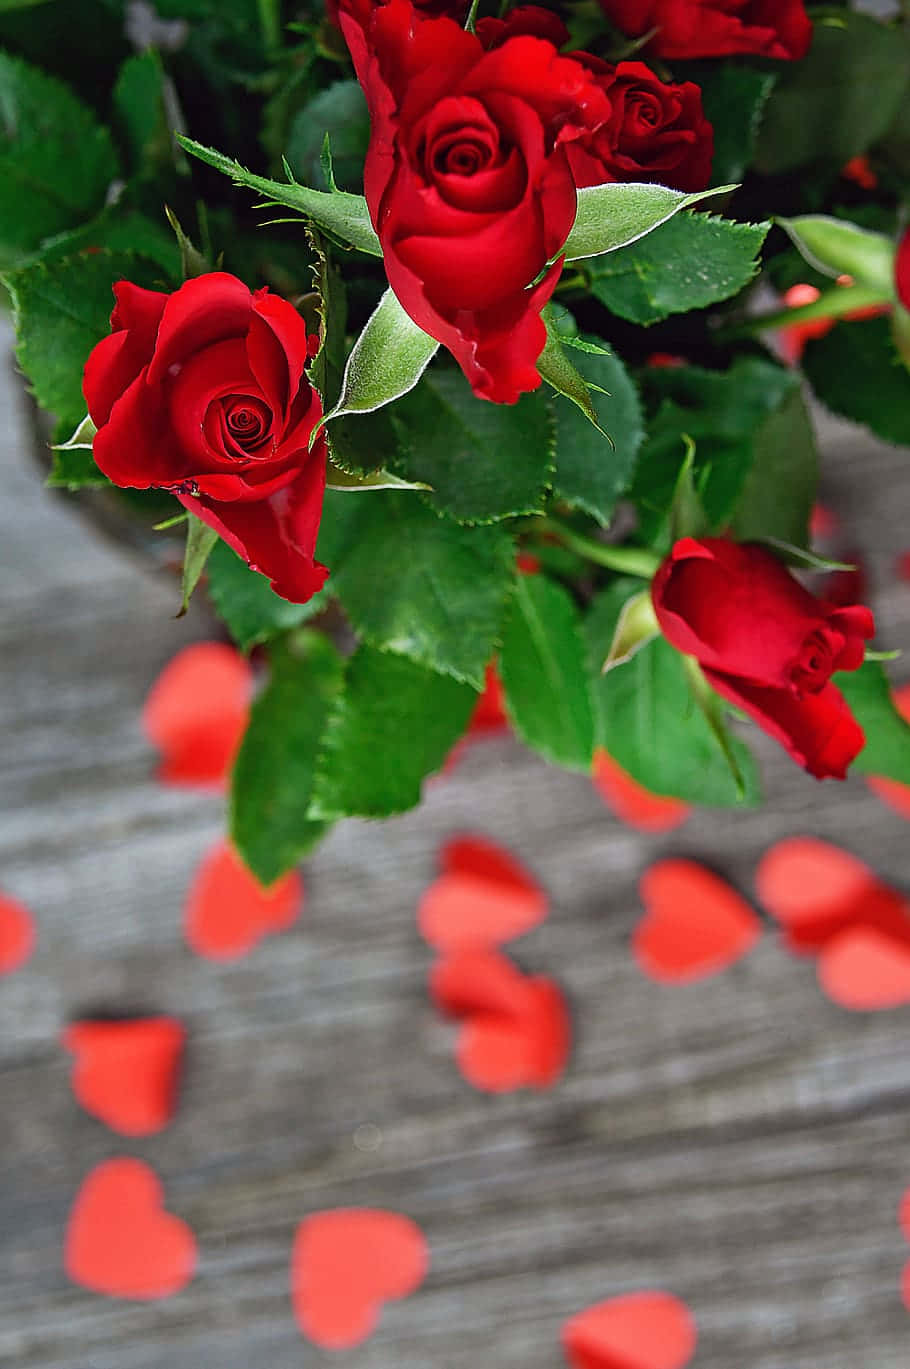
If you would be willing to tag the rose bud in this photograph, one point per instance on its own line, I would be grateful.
(657, 131)
(715, 28)
(467, 180)
(203, 392)
(766, 644)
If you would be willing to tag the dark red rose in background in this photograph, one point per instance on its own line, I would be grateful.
(455, 9)
(766, 644)
(902, 270)
(203, 392)
(657, 131)
(715, 28)
(468, 182)
(524, 19)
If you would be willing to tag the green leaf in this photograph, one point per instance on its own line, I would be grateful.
(56, 160)
(887, 749)
(417, 584)
(274, 773)
(733, 98)
(544, 673)
(592, 471)
(562, 376)
(339, 111)
(337, 479)
(75, 469)
(118, 230)
(200, 539)
(394, 723)
(841, 98)
(778, 492)
(837, 247)
(139, 110)
(856, 372)
(386, 361)
(246, 602)
(649, 722)
(691, 262)
(345, 216)
(614, 215)
(60, 311)
(482, 461)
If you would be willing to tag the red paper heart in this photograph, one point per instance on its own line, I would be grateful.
(864, 970)
(125, 1073)
(816, 890)
(17, 934)
(648, 1330)
(631, 802)
(516, 1031)
(120, 1241)
(345, 1265)
(694, 925)
(228, 911)
(196, 713)
(895, 794)
(483, 897)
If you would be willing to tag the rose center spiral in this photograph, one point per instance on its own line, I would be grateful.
(246, 420)
(813, 666)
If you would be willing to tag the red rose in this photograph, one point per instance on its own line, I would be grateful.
(902, 270)
(766, 644)
(203, 392)
(715, 28)
(468, 182)
(524, 19)
(656, 131)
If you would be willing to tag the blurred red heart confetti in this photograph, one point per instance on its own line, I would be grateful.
(864, 970)
(823, 522)
(120, 1240)
(17, 934)
(125, 1073)
(516, 1031)
(488, 718)
(483, 897)
(648, 1330)
(228, 911)
(348, 1262)
(905, 1286)
(196, 713)
(903, 1215)
(694, 925)
(892, 792)
(815, 890)
(631, 802)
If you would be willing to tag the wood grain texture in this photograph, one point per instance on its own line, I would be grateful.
(741, 1142)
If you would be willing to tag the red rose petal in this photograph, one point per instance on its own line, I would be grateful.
(695, 924)
(648, 1330)
(345, 1265)
(120, 1241)
(864, 970)
(631, 802)
(815, 890)
(196, 713)
(483, 897)
(125, 1073)
(228, 911)
(17, 934)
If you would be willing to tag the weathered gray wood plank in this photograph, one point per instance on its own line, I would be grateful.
(742, 1142)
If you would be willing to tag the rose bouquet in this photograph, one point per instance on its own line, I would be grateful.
(487, 391)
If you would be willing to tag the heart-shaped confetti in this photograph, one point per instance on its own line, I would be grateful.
(864, 970)
(228, 911)
(484, 897)
(348, 1262)
(17, 934)
(516, 1031)
(816, 890)
(892, 792)
(125, 1073)
(647, 1330)
(631, 802)
(196, 713)
(120, 1240)
(488, 718)
(694, 925)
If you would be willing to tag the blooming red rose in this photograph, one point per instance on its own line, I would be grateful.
(203, 392)
(902, 270)
(525, 19)
(467, 180)
(715, 28)
(766, 644)
(657, 131)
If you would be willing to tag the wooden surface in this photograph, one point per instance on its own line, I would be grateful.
(742, 1142)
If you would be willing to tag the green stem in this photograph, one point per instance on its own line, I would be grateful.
(627, 560)
(270, 24)
(472, 16)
